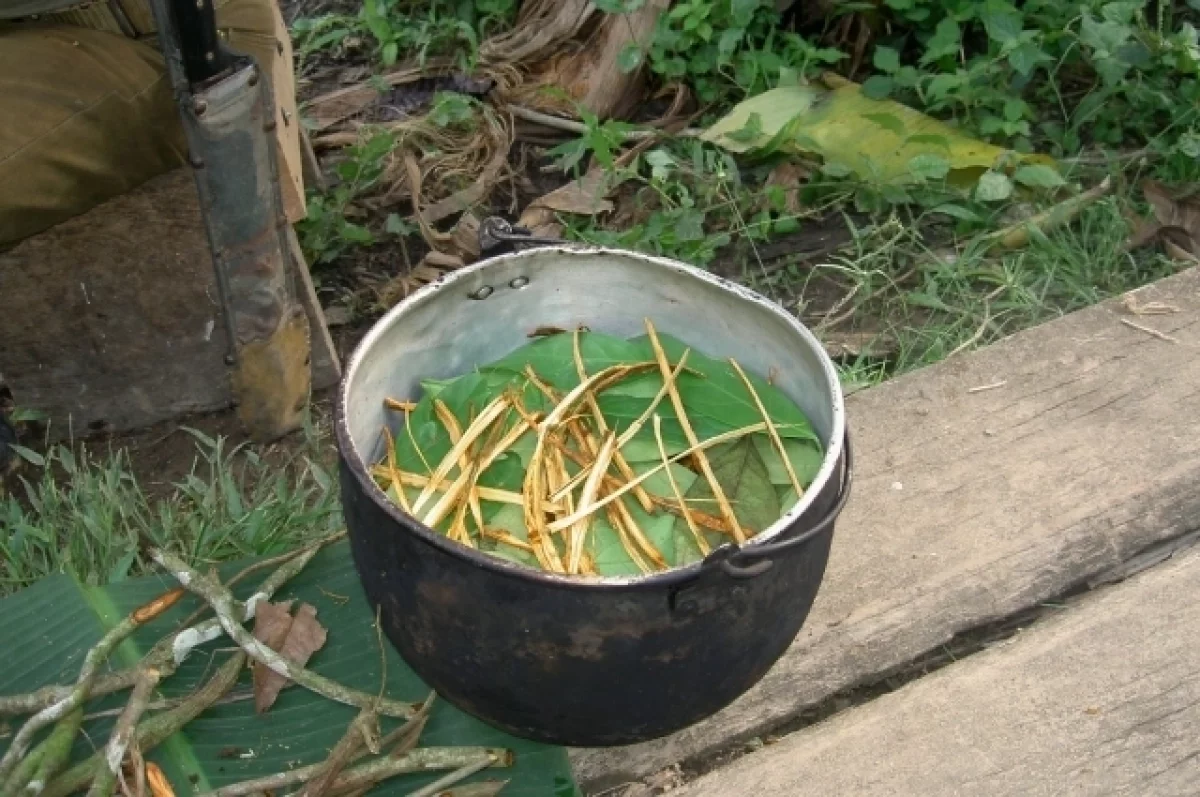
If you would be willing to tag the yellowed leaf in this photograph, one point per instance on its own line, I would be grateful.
(880, 141)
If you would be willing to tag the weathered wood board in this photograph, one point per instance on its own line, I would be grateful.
(111, 320)
(971, 505)
(1103, 699)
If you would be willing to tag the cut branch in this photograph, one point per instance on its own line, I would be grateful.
(226, 610)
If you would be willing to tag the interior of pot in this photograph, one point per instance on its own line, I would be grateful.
(448, 329)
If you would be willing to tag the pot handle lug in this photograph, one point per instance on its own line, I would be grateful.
(750, 562)
(496, 234)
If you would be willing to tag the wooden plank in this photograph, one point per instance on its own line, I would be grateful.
(326, 366)
(1103, 699)
(972, 506)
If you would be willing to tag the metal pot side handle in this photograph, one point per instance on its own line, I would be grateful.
(744, 563)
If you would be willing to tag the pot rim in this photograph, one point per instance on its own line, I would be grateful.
(348, 451)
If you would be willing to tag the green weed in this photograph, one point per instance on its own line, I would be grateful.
(934, 304)
(87, 515)
(327, 231)
(404, 30)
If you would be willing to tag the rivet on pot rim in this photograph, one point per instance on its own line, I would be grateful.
(519, 282)
(482, 293)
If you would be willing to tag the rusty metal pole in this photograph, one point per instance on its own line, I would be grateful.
(228, 116)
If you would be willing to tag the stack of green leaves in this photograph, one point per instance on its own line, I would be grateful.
(646, 528)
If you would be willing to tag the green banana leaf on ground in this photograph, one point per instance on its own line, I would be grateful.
(879, 141)
(49, 627)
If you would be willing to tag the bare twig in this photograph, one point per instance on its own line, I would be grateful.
(452, 779)
(342, 754)
(421, 760)
(1017, 235)
(716, 440)
(82, 689)
(1154, 333)
(49, 695)
(153, 731)
(984, 388)
(226, 610)
(772, 432)
(122, 733)
(701, 459)
(178, 645)
(701, 543)
(579, 128)
(482, 788)
(267, 564)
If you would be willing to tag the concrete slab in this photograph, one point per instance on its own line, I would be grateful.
(985, 485)
(1103, 699)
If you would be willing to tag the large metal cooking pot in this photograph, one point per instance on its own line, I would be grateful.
(557, 659)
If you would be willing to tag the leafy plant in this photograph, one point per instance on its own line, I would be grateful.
(602, 139)
(1094, 72)
(327, 231)
(400, 29)
(723, 48)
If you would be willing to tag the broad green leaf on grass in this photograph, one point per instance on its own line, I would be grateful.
(746, 483)
(993, 187)
(49, 627)
(1036, 176)
(956, 211)
(929, 167)
(846, 126)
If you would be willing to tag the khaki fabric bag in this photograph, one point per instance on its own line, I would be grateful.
(86, 111)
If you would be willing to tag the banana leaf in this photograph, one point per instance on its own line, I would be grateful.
(49, 627)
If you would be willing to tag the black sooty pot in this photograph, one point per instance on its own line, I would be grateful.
(584, 662)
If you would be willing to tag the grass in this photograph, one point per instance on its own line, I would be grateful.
(87, 515)
(925, 305)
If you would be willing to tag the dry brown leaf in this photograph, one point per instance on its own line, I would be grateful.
(582, 197)
(587, 196)
(295, 638)
(1176, 222)
(1183, 212)
(789, 176)
(271, 623)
